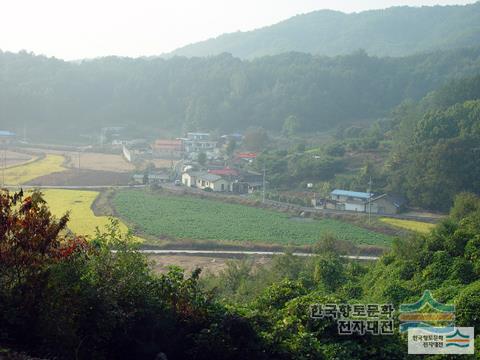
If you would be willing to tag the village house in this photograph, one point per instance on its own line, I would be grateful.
(168, 149)
(6, 136)
(346, 200)
(198, 142)
(225, 180)
(189, 178)
(247, 157)
(238, 138)
(350, 200)
(386, 204)
(205, 180)
(157, 177)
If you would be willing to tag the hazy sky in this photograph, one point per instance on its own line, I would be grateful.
(74, 29)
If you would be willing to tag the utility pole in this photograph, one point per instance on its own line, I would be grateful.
(370, 200)
(263, 183)
(4, 164)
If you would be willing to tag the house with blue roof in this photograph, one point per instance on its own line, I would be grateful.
(350, 200)
(356, 201)
(6, 136)
(5, 133)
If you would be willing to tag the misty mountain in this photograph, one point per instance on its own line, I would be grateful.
(55, 99)
(397, 31)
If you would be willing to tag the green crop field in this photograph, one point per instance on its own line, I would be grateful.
(191, 218)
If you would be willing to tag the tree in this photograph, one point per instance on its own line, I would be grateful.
(440, 159)
(30, 237)
(202, 158)
(291, 126)
(231, 146)
(464, 204)
(301, 147)
(255, 139)
(329, 271)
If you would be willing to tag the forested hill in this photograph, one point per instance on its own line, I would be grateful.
(396, 31)
(58, 99)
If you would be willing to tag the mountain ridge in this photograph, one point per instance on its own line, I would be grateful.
(396, 31)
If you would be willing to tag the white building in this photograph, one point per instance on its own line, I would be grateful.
(350, 200)
(198, 142)
(204, 180)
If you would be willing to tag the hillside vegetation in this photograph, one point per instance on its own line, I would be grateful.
(427, 151)
(66, 298)
(62, 101)
(396, 31)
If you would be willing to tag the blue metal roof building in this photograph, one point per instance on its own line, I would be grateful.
(353, 194)
(5, 133)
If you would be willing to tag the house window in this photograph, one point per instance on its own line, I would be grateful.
(223, 187)
(203, 183)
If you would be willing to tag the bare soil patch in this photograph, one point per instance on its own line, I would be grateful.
(14, 158)
(82, 178)
(163, 163)
(208, 264)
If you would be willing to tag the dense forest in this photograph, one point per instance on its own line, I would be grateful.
(436, 153)
(426, 151)
(63, 297)
(397, 31)
(53, 99)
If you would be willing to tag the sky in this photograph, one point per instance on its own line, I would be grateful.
(77, 29)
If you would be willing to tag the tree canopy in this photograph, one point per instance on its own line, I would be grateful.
(57, 100)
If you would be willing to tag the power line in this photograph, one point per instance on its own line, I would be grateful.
(263, 183)
(370, 200)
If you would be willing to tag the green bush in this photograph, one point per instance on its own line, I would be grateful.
(468, 305)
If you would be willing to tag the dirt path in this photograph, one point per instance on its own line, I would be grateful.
(233, 253)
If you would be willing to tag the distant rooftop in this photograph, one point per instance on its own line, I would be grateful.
(198, 133)
(224, 172)
(6, 133)
(361, 195)
(209, 177)
(247, 155)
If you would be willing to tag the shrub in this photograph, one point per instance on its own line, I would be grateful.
(468, 303)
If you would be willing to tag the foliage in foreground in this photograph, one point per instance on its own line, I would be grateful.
(62, 297)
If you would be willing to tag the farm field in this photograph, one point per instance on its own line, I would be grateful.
(82, 218)
(75, 177)
(163, 163)
(12, 158)
(190, 218)
(417, 226)
(24, 173)
(99, 161)
(90, 160)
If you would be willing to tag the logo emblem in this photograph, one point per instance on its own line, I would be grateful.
(450, 340)
(427, 312)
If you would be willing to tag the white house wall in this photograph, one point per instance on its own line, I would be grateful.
(354, 207)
